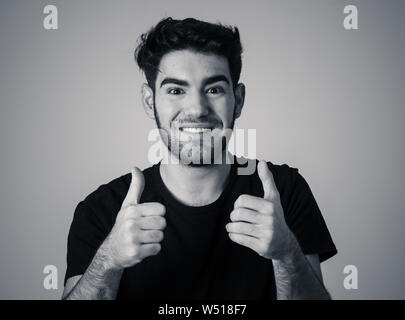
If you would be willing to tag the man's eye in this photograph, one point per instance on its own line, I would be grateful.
(215, 90)
(175, 91)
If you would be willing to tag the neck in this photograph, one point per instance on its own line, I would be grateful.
(195, 186)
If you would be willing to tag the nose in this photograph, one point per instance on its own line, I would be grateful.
(197, 105)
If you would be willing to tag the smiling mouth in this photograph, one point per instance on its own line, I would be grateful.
(195, 129)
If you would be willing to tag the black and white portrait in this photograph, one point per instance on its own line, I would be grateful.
(225, 150)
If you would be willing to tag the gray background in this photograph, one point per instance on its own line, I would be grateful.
(323, 99)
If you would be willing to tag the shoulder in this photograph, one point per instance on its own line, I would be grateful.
(285, 175)
(282, 170)
(109, 192)
(289, 180)
(106, 200)
(277, 169)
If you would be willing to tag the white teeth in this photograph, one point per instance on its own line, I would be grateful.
(196, 130)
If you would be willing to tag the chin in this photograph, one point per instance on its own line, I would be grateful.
(200, 156)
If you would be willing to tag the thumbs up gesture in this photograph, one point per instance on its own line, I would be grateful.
(138, 228)
(259, 224)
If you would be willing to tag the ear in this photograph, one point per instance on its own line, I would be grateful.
(147, 100)
(239, 99)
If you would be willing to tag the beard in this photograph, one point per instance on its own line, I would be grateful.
(197, 150)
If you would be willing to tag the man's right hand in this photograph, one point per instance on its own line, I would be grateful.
(138, 228)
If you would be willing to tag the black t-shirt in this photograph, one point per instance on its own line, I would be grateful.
(197, 259)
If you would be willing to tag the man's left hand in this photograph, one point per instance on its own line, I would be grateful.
(259, 224)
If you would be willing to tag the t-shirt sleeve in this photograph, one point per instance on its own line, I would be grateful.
(86, 234)
(305, 220)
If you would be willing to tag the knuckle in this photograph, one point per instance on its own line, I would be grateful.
(156, 248)
(234, 214)
(235, 227)
(160, 208)
(133, 238)
(155, 235)
(158, 220)
(242, 199)
(131, 223)
(159, 235)
(163, 222)
(131, 210)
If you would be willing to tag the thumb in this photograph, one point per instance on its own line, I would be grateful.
(269, 186)
(135, 189)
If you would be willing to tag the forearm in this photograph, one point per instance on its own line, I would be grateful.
(295, 278)
(99, 282)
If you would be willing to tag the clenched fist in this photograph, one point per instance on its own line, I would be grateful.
(138, 228)
(259, 224)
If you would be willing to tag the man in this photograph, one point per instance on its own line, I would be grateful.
(193, 229)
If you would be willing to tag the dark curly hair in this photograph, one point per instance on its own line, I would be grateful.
(169, 35)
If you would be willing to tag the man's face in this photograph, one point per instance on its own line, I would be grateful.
(194, 100)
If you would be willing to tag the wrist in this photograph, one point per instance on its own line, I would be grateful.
(292, 248)
(106, 255)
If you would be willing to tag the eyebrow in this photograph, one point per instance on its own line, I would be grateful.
(184, 83)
